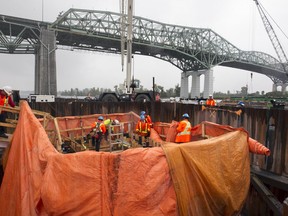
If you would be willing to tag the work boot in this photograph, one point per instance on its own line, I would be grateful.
(3, 135)
(147, 144)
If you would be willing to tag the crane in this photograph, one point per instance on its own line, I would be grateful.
(128, 40)
(273, 37)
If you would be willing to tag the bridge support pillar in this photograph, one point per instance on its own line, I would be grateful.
(284, 86)
(184, 85)
(274, 87)
(208, 83)
(195, 87)
(45, 64)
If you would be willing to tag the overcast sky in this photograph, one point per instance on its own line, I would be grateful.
(238, 21)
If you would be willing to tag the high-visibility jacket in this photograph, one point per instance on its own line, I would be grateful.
(6, 101)
(143, 128)
(148, 119)
(183, 131)
(107, 122)
(98, 127)
(210, 102)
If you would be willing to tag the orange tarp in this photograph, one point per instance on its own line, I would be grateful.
(210, 178)
(40, 181)
(196, 178)
(213, 130)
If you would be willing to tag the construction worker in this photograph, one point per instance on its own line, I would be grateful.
(108, 123)
(5, 100)
(183, 130)
(98, 129)
(210, 101)
(143, 130)
(147, 118)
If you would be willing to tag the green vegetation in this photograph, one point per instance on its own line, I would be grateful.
(93, 92)
(175, 92)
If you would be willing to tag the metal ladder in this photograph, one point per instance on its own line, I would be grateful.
(115, 136)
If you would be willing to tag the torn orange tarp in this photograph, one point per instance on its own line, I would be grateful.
(40, 181)
(206, 176)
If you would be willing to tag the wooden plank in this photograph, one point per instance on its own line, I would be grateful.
(7, 125)
(58, 145)
(12, 121)
(16, 110)
(74, 129)
(267, 195)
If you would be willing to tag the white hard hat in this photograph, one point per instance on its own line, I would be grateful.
(7, 90)
(116, 122)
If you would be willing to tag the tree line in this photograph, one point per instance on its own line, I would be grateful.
(95, 92)
(171, 92)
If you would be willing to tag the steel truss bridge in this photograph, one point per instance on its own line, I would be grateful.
(187, 48)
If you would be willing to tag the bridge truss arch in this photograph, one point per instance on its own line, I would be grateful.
(187, 48)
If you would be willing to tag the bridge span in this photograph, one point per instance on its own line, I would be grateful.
(195, 51)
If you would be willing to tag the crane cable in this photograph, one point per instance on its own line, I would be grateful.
(273, 20)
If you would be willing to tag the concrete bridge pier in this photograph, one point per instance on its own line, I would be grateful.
(184, 93)
(195, 87)
(45, 64)
(282, 85)
(208, 83)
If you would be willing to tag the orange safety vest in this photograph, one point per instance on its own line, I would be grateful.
(148, 120)
(99, 126)
(3, 100)
(210, 102)
(142, 128)
(184, 132)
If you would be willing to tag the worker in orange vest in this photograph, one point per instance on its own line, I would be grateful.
(98, 129)
(143, 130)
(183, 130)
(147, 118)
(5, 100)
(210, 101)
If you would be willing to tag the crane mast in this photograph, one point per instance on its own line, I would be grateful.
(273, 37)
(129, 23)
(129, 45)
